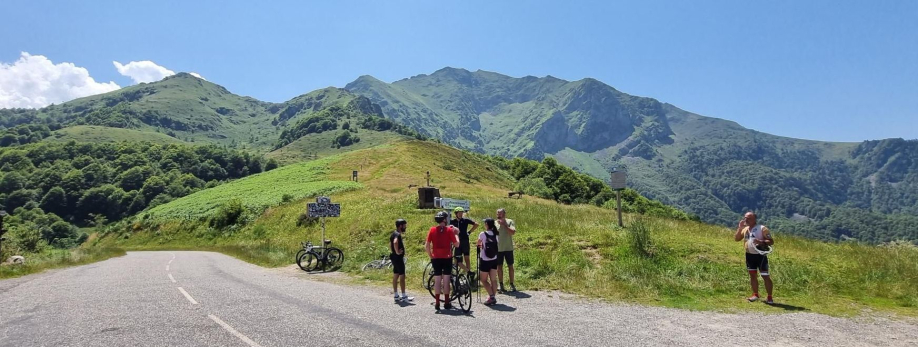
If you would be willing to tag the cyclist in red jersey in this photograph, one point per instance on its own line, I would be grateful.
(441, 239)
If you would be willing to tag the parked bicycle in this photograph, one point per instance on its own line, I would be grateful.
(382, 262)
(311, 258)
(460, 288)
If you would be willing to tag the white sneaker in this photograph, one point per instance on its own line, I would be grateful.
(398, 298)
(405, 297)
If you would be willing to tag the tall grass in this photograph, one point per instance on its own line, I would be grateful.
(56, 258)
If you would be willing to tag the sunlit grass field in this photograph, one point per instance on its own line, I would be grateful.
(576, 249)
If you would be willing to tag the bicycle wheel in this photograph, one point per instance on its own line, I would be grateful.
(371, 265)
(308, 261)
(298, 255)
(430, 285)
(334, 258)
(428, 272)
(463, 292)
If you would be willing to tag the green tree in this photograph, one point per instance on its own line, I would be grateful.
(152, 187)
(55, 201)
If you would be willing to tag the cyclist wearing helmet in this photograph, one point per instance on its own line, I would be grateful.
(397, 256)
(440, 242)
(463, 223)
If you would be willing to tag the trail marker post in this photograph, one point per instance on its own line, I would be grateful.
(617, 183)
(323, 208)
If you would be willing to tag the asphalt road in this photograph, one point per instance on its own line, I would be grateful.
(209, 299)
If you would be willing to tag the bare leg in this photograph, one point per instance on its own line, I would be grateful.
(395, 283)
(754, 280)
(493, 275)
(486, 282)
(768, 285)
(402, 278)
(445, 282)
(511, 273)
(500, 273)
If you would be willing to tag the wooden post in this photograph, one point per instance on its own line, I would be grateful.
(618, 197)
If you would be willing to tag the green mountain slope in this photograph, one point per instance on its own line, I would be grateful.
(99, 134)
(710, 167)
(571, 248)
(182, 105)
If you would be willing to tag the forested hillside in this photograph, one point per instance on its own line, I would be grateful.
(52, 188)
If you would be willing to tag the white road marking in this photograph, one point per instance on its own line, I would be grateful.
(170, 261)
(187, 296)
(172, 278)
(167, 267)
(233, 331)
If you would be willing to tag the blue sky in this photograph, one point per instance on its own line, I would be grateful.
(826, 70)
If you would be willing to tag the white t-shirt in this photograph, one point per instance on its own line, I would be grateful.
(484, 244)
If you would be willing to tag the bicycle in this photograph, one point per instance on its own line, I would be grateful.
(310, 257)
(461, 289)
(382, 262)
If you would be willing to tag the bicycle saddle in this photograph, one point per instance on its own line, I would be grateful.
(327, 242)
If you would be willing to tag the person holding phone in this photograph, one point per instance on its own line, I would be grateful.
(506, 228)
(755, 236)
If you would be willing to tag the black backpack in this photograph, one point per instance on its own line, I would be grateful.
(490, 246)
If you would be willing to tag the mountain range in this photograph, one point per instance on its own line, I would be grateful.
(710, 167)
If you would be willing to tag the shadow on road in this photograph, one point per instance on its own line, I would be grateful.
(405, 303)
(455, 312)
(518, 295)
(789, 307)
(502, 308)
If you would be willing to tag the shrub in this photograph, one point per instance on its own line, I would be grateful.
(229, 213)
(640, 240)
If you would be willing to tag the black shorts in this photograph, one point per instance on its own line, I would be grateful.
(464, 249)
(442, 266)
(398, 264)
(757, 262)
(505, 257)
(487, 265)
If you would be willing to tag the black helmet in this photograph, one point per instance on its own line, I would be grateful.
(399, 222)
(441, 217)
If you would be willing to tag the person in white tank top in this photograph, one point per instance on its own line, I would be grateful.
(755, 237)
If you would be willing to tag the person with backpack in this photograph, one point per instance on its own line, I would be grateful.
(487, 260)
(441, 239)
(757, 242)
(397, 256)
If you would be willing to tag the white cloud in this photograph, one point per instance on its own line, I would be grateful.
(143, 71)
(195, 74)
(34, 81)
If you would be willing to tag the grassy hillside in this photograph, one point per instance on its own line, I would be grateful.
(575, 249)
(254, 193)
(100, 134)
(313, 146)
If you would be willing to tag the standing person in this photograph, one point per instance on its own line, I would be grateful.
(440, 242)
(506, 229)
(462, 223)
(487, 259)
(755, 236)
(397, 256)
